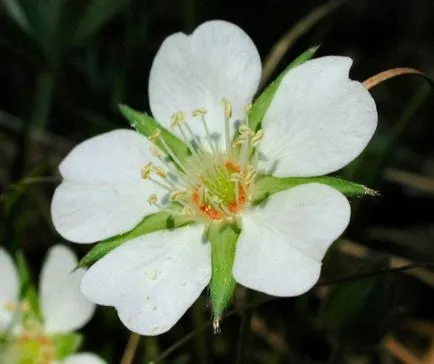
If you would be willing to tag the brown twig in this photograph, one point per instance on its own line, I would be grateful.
(410, 179)
(290, 37)
(275, 341)
(425, 328)
(130, 349)
(400, 352)
(395, 262)
(388, 74)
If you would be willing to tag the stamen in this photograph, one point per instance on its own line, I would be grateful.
(10, 306)
(228, 115)
(177, 119)
(201, 112)
(153, 200)
(176, 195)
(161, 184)
(244, 154)
(245, 130)
(249, 177)
(160, 171)
(155, 151)
(187, 210)
(146, 170)
(239, 140)
(257, 138)
(156, 135)
(235, 177)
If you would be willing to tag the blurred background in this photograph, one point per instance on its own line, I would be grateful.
(65, 65)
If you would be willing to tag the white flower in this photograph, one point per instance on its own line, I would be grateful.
(201, 85)
(63, 309)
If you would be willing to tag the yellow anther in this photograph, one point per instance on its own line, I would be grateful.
(187, 211)
(160, 171)
(153, 199)
(11, 306)
(155, 151)
(247, 108)
(249, 177)
(25, 306)
(199, 112)
(257, 138)
(246, 131)
(235, 177)
(146, 171)
(155, 135)
(227, 108)
(178, 118)
(237, 141)
(177, 195)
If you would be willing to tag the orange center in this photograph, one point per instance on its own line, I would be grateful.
(214, 214)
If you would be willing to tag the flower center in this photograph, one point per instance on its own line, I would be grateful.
(29, 345)
(214, 183)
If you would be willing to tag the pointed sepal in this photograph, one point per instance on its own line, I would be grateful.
(154, 222)
(265, 186)
(223, 238)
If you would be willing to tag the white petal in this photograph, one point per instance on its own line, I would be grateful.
(282, 243)
(318, 121)
(217, 61)
(83, 358)
(103, 194)
(9, 288)
(152, 280)
(63, 307)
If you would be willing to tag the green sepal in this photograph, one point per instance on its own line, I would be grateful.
(154, 222)
(265, 186)
(261, 104)
(223, 239)
(66, 344)
(146, 125)
(27, 288)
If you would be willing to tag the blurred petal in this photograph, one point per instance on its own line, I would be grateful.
(152, 280)
(103, 193)
(84, 358)
(63, 307)
(318, 121)
(282, 243)
(9, 288)
(218, 60)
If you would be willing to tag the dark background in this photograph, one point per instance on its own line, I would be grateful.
(65, 65)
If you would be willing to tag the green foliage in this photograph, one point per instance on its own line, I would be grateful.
(97, 14)
(359, 312)
(223, 240)
(154, 222)
(146, 125)
(267, 185)
(66, 344)
(27, 288)
(261, 104)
